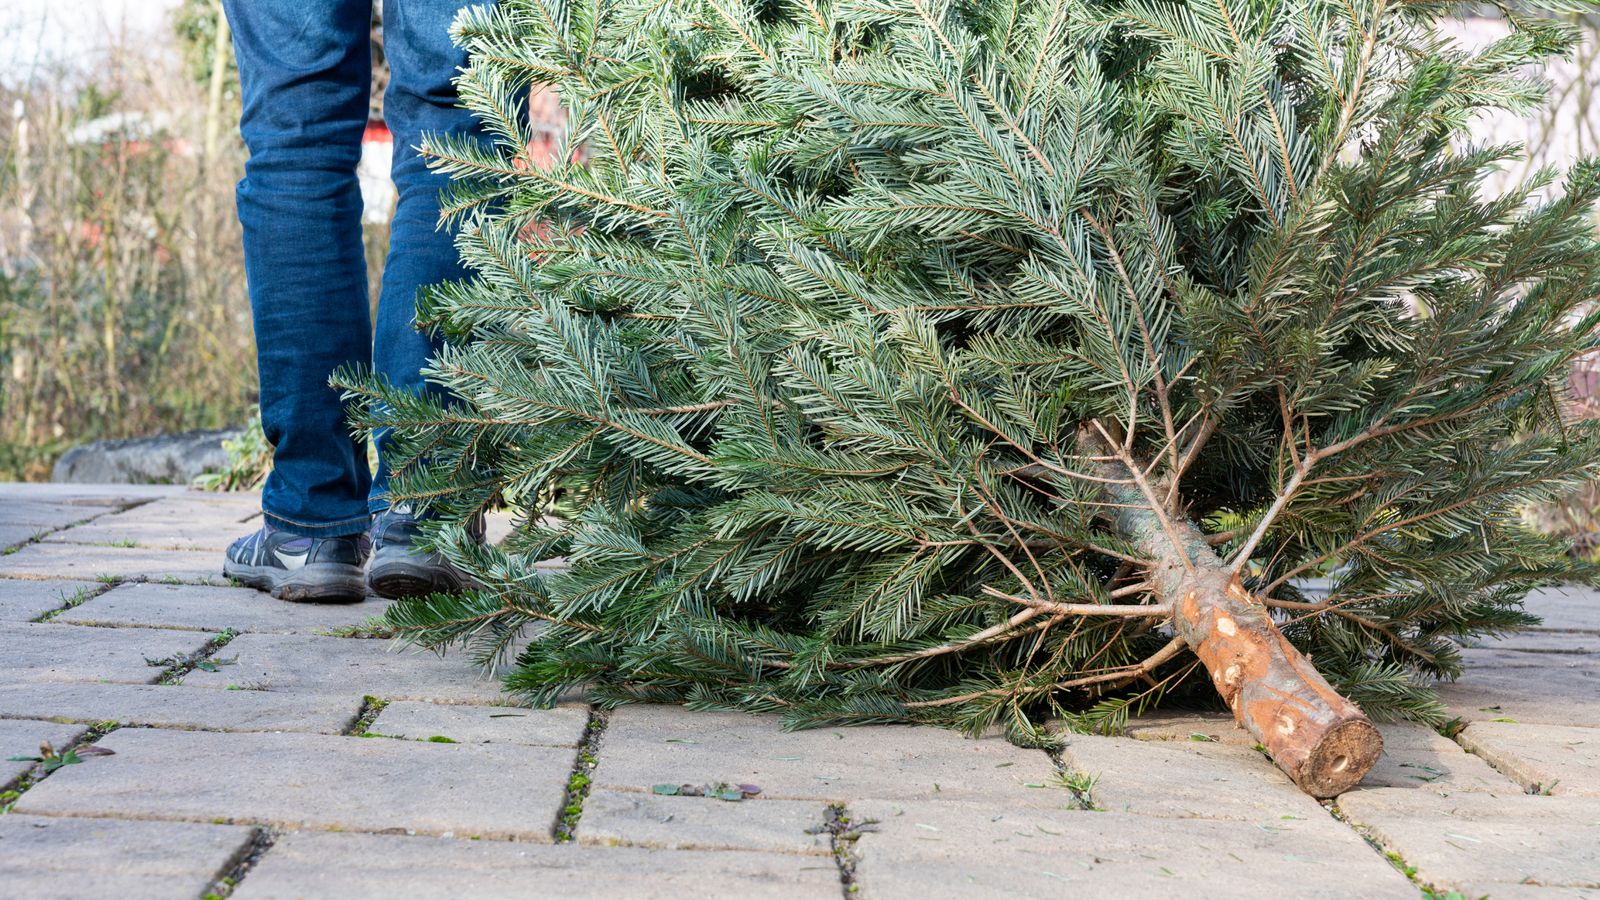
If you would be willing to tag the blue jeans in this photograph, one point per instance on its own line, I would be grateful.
(305, 70)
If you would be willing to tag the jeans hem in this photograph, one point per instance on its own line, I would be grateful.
(342, 528)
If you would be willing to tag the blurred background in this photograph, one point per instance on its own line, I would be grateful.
(123, 312)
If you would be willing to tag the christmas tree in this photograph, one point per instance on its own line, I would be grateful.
(981, 363)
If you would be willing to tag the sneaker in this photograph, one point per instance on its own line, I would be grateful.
(400, 568)
(301, 569)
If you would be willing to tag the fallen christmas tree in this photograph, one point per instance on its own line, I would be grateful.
(983, 363)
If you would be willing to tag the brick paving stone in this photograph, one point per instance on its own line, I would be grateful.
(1185, 779)
(41, 518)
(215, 608)
(65, 859)
(1414, 756)
(1560, 759)
(176, 706)
(943, 848)
(1531, 642)
(85, 494)
(1506, 658)
(50, 652)
(176, 523)
(381, 867)
(311, 664)
(701, 823)
(562, 726)
(13, 535)
(44, 560)
(22, 739)
(24, 599)
(1571, 608)
(1473, 842)
(648, 745)
(314, 781)
(1202, 727)
(1550, 696)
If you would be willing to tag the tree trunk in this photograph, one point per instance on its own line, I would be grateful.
(1321, 740)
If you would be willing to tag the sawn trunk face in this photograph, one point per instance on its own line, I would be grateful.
(1321, 740)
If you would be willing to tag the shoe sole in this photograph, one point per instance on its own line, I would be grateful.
(399, 579)
(311, 583)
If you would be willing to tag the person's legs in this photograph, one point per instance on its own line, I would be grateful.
(305, 70)
(420, 100)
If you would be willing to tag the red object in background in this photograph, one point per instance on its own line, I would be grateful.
(376, 132)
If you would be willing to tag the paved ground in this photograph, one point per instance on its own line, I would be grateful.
(271, 750)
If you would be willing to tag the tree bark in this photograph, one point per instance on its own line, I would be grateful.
(1322, 741)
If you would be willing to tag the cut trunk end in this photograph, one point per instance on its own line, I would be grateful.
(1321, 740)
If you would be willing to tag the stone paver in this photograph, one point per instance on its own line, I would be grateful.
(1414, 756)
(919, 850)
(1565, 609)
(23, 600)
(310, 664)
(47, 858)
(701, 823)
(1474, 842)
(1548, 696)
(1216, 728)
(176, 706)
(360, 866)
(51, 652)
(96, 563)
(1185, 779)
(314, 781)
(215, 608)
(1558, 759)
(42, 517)
(23, 739)
(176, 523)
(1505, 658)
(649, 745)
(562, 726)
(1535, 641)
(13, 535)
(88, 494)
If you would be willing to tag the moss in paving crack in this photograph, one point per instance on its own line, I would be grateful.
(1392, 857)
(43, 770)
(260, 842)
(844, 830)
(84, 595)
(370, 707)
(181, 664)
(579, 782)
(1079, 784)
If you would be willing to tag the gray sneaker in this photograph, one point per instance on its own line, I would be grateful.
(399, 568)
(301, 569)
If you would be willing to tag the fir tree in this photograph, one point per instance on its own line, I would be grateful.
(975, 363)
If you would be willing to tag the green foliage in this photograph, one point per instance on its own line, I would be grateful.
(249, 461)
(809, 321)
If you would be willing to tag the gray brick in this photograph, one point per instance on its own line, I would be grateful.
(67, 859)
(562, 726)
(702, 823)
(357, 866)
(314, 781)
(176, 706)
(1559, 759)
(216, 608)
(51, 652)
(649, 745)
(320, 665)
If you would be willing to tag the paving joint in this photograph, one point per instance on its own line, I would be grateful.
(581, 780)
(84, 595)
(370, 708)
(844, 833)
(182, 664)
(235, 869)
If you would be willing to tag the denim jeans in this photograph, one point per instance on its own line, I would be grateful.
(305, 71)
